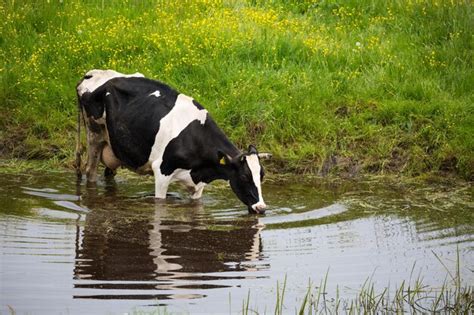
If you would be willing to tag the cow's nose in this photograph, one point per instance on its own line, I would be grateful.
(259, 207)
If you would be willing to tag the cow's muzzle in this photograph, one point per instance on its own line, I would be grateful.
(258, 207)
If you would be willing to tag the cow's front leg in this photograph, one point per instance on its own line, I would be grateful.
(161, 182)
(161, 185)
(197, 191)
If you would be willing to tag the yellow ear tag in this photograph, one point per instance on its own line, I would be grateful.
(222, 161)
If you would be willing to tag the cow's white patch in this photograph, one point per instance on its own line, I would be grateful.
(107, 94)
(254, 166)
(156, 93)
(95, 78)
(181, 115)
(184, 176)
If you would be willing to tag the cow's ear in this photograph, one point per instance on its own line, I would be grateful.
(265, 155)
(223, 158)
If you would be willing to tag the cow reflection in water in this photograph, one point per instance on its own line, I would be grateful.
(137, 240)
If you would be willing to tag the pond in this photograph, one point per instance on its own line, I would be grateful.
(110, 248)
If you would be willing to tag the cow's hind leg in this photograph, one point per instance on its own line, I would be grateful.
(77, 163)
(109, 173)
(95, 144)
(93, 157)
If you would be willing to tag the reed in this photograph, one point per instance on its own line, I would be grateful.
(412, 296)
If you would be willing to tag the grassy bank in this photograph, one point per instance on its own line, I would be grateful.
(411, 298)
(330, 87)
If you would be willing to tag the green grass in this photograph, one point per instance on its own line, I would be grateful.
(330, 87)
(409, 297)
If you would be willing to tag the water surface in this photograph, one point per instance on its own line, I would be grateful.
(110, 248)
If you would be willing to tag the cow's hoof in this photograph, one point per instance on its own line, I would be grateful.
(160, 201)
(109, 173)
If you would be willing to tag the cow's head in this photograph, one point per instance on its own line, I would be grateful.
(245, 177)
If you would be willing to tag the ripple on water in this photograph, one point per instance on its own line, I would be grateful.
(304, 216)
(89, 245)
(51, 196)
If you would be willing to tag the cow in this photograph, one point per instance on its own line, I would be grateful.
(148, 127)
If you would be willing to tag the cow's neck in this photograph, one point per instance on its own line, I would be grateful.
(209, 172)
(222, 171)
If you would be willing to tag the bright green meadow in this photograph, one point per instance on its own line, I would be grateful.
(329, 87)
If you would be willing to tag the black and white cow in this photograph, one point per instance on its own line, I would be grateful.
(148, 127)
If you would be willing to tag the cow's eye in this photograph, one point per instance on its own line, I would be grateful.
(87, 77)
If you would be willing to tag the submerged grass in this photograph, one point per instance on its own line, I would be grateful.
(411, 297)
(327, 86)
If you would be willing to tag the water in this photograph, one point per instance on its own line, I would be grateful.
(110, 248)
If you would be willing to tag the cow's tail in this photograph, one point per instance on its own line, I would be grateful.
(77, 163)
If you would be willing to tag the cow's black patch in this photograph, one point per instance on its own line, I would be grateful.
(93, 104)
(196, 149)
(199, 106)
(133, 117)
(95, 127)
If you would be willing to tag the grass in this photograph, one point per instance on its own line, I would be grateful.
(409, 297)
(329, 87)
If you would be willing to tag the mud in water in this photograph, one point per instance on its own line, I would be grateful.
(110, 248)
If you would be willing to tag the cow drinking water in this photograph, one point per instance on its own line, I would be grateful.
(150, 128)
